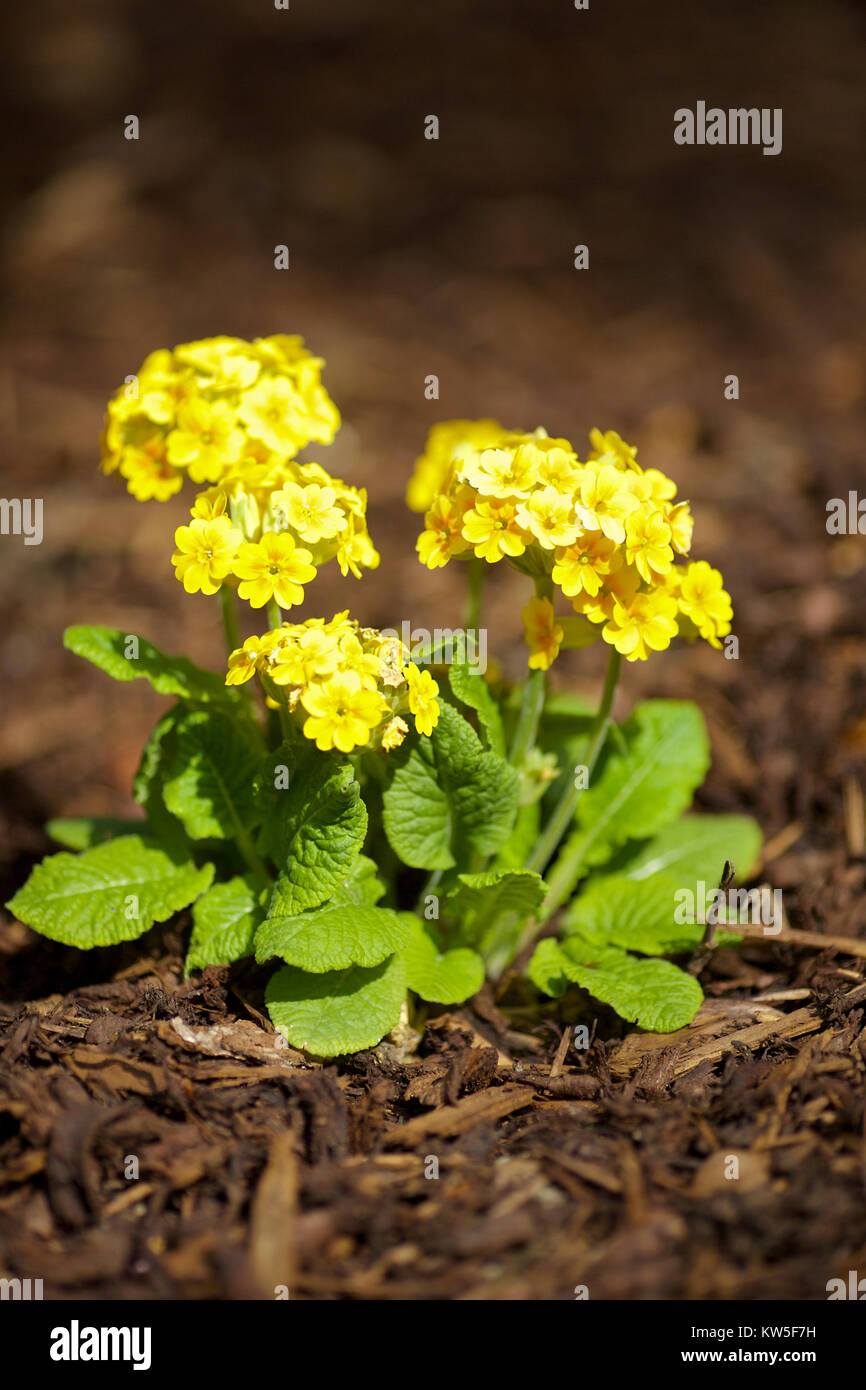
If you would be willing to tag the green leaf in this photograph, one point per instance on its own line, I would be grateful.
(655, 994)
(493, 907)
(126, 657)
(316, 833)
(523, 838)
(112, 893)
(225, 919)
(438, 975)
(361, 886)
(149, 780)
(331, 938)
(694, 848)
(211, 764)
(550, 969)
(338, 1012)
(471, 689)
(640, 791)
(565, 718)
(636, 915)
(446, 797)
(83, 832)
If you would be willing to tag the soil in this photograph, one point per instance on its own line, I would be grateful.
(497, 1161)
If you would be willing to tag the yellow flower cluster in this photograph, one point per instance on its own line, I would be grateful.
(605, 532)
(211, 408)
(347, 685)
(268, 528)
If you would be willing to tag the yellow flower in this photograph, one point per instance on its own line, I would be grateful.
(204, 555)
(352, 657)
(442, 535)
(223, 363)
(543, 633)
(646, 624)
(605, 501)
(342, 713)
(271, 412)
(705, 602)
(273, 568)
(550, 518)
(492, 528)
(622, 455)
(557, 467)
(445, 439)
(148, 474)
(647, 543)
(423, 704)
(655, 486)
(210, 504)
(394, 733)
(355, 550)
(205, 439)
(581, 567)
(244, 662)
(311, 656)
(680, 521)
(501, 473)
(311, 511)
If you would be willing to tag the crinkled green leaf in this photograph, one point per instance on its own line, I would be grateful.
(212, 761)
(361, 884)
(112, 893)
(114, 652)
(439, 975)
(331, 938)
(523, 838)
(83, 832)
(149, 780)
(655, 994)
(493, 907)
(471, 689)
(636, 915)
(549, 968)
(316, 834)
(643, 788)
(225, 919)
(338, 1012)
(695, 848)
(446, 797)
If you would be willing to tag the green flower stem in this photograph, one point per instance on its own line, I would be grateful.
(429, 887)
(275, 615)
(534, 690)
(230, 619)
(472, 612)
(564, 812)
(278, 695)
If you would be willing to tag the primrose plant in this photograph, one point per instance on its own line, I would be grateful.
(381, 824)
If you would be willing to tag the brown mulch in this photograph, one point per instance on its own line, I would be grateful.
(157, 1142)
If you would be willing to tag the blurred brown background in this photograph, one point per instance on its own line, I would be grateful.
(409, 257)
